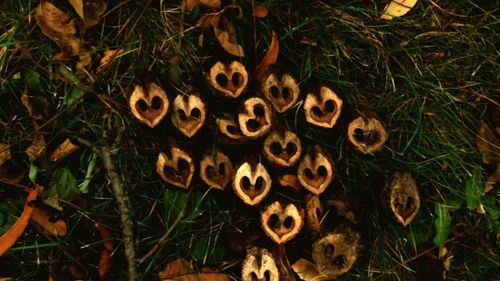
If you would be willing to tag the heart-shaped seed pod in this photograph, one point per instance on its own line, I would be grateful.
(281, 222)
(322, 109)
(400, 196)
(255, 118)
(230, 130)
(259, 265)
(176, 167)
(281, 89)
(282, 149)
(229, 80)
(316, 170)
(367, 133)
(216, 169)
(336, 253)
(314, 212)
(149, 105)
(189, 113)
(252, 182)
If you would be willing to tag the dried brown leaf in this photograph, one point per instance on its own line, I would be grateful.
(63, 150)
(488, 144)
(307, 271)
(270, 58)
(10, 174)
(492, 179)
(190, 4)
(109, 56)
(224, 31)
(36, 149)
(182, 270)
(59, 27)
(4, 153)
(89, 10)
(260, 11)
(28, 103)
(42, 217)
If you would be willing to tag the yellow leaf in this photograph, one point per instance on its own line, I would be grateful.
(397, 8)
(226, 38)
(307, 271)
(59, 27)
(89, 10)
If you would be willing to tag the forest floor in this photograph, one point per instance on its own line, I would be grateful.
(431, 76)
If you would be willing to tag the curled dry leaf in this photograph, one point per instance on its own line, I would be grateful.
(488, 144)
(307, 271)
(282, 222)
(4, 153)
(397, 8)
(36, 149)
(190, 4)
(336, 253)
(43, 217)
(106, 258)
(226, 35)
(108, 57)
(59, 27)
(89, 10)
(259, 264)
(270, 58)
(17, 229)
(400, 196)
(182, 270)
(63, 150)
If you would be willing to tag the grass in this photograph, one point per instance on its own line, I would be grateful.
(430, 75)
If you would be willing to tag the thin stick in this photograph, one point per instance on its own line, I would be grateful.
(104, 151)
(165, 236)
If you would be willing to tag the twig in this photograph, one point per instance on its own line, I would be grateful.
(165, 236)
(104, 151)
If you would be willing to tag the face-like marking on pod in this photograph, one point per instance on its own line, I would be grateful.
(149, 106)
(282, 92)
(281, 222)
(255, 118)
(316, 170)
(229, 80)
(188, 114)
(282, 149)
(259, 265)
(323, 109)
(366, 134)
(251, 183)
(216, 170)
(176, 169)
(404, 200)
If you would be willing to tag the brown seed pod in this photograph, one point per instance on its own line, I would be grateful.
(316, 170)
(149, 105)
(176, 167)
(314, 212)
(281, 89)
(189, 113)
(255, 117)
(367, 133)
(400, 197)
(259, 265)
(216, 169)
(322, 109)
(230, 130)
(282, 149)
(229, 80)
(336, 253)
(251, 182)
(282, 222)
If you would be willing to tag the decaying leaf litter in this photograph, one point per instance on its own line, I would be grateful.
(339, 168)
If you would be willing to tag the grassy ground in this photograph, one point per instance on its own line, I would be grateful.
(430, 75)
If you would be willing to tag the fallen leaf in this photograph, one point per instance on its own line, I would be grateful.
(182, 270)
(63, 185)
(42, 217)
(59, 27)
(4, 153)
(106, 258)
(28, 103)
(36, 149)
(225, 33)
(109, 56)
(260, 11)
(84, 64)
(307, 271)
(17, 229)
(492, 179)
(10, 174)
(397, 8)
(190, 4)
(442, 223)
(488, 144)
(63, 150)
(205, 21)
(270, 58)
(89, 10)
